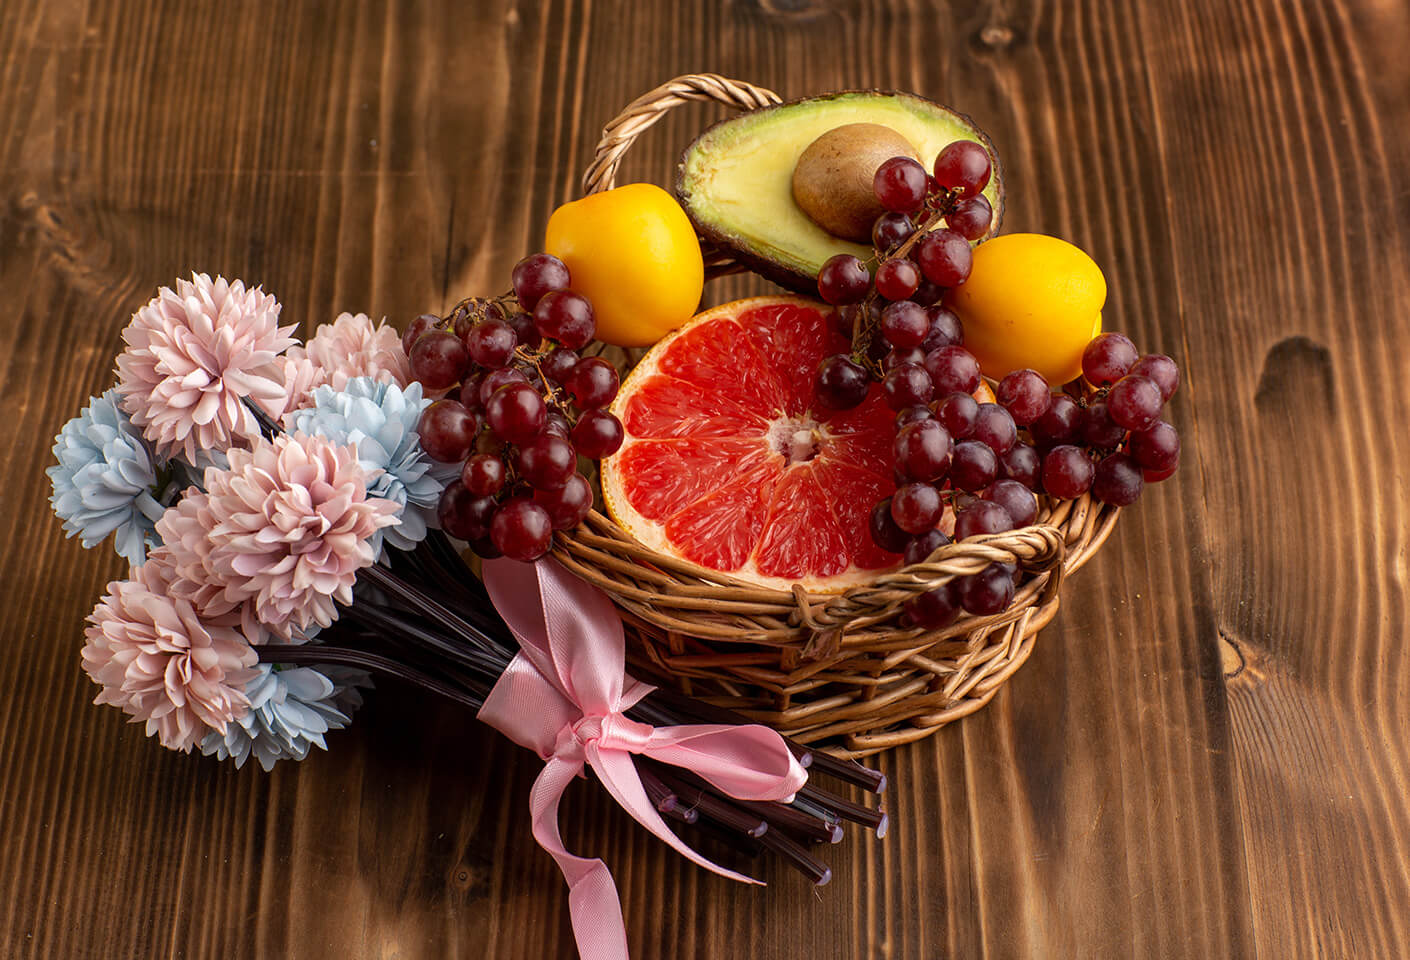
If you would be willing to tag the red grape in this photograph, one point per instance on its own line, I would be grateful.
(945, 329)
(1161, 369)
(916, 507)
(558, 364)
(1016, 499)
(995, 428)
(891, 230)
(884, 531)
(516, 413)
(922, 450)
(521, 529)
(963, 166)
(470, 389)
(1156, 448)
(438, 360)
(912, 415)
(904, 324)
(485, 548)
(973, 466)
(1067, 472)
(841, 321)
(971, 217)
(958, 412)
(499, 378)
(1026, 395)
(936, 608)
(1021, 463)
(907, 385)
(852, 315)
(565, 316)
(524, 329)
(1098, 429)
(462, 514)
(557, 424)
(1118, 480)
(491, 344)
(547, 462)
(982, 517)
(483, 475)
(921, 547)
(895, 358)
(952, 369)
(841, 383)
(1060, 424)
(1134, 402)
(421, 325)
(897, 279)
(537, 275)
(593, 383)
(988, 592)
(598, 434)
(945, 258)
(843, 279)
(1155, 476)
(447, 431)
(899, 185)
(927, 293)
(569, 504)
(1107, 358)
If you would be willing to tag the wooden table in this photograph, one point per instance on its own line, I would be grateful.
(1206, 755)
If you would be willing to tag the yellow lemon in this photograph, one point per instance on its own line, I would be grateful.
(1030, 301)
(634, 254)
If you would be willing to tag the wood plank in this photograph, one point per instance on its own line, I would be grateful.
(1205, 755)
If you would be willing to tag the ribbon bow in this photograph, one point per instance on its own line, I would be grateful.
(564, 696)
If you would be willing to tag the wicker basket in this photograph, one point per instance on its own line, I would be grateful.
(838, 670)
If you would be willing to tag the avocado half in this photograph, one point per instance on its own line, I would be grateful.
(735, 179)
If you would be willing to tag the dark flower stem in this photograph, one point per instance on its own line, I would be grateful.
(321, 653)
(267, 427)
(813, 868)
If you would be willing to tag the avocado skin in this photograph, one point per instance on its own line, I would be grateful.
(776, 272)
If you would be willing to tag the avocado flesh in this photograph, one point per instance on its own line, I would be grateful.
(736, 178)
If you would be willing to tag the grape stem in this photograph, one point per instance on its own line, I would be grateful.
(551, 391)
(863, 325)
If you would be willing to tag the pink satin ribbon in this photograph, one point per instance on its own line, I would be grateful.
(564, 696)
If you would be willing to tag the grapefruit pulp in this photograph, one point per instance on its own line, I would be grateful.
(729, 464)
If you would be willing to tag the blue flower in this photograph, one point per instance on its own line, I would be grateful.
(381, 419)
(105, 480)
(290, 711)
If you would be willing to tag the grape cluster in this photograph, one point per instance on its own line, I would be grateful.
(894, 318)
(985, 462)
(521, 402)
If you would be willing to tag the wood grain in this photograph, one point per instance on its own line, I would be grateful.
(1205, 756)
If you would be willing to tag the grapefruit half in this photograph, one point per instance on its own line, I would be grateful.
(727, 462)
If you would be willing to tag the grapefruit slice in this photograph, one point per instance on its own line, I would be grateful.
(727, 462)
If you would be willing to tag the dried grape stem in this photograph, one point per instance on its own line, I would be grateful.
(863, 326)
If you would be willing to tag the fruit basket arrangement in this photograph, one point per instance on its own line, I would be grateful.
(821, 522)
(854, 665)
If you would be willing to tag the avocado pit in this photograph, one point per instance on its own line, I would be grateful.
(832, 181)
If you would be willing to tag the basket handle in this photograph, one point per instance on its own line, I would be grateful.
(646, 109)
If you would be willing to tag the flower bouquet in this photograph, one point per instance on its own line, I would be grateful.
(283, 519)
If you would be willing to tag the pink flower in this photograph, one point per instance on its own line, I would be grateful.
(162, 663)
(192, 354)
(286, 527)
(300, 377)
(351, 346)
(185, 529)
